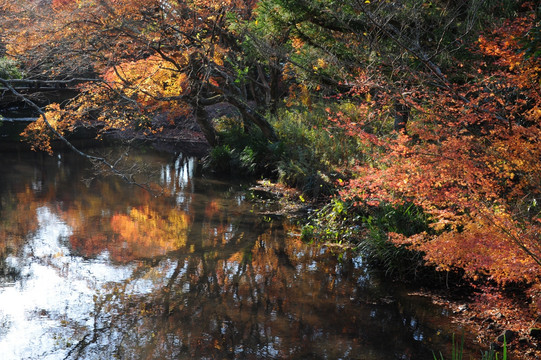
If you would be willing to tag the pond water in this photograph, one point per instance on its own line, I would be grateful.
(93, 268)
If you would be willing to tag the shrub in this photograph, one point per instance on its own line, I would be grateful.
(9, 69)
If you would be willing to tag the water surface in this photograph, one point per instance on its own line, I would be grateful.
(93, 268)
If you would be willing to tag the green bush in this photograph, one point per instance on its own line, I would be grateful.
(9, 69)
(219, 159)
(405, 219)
(307, 155)
(367, 231)
(242, 150)
(315, 150)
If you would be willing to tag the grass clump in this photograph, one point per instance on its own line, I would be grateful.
(405, 219)
(457, 352)
(335, 222)
(315, 152)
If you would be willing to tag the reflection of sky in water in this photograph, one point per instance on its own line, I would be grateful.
(177, 177)
(40, 313)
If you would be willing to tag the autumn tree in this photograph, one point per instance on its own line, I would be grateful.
(470, 159)
(145, 58)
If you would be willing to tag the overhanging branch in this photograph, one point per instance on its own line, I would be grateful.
(92, 158)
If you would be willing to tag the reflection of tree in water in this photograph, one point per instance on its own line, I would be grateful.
(150, 226)
(267, 297)
(210, 279)
(142, 232)
(17, 221)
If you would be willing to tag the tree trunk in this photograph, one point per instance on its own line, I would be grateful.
(252, 116)
(275, 75)
(201, 116)
(401, 116)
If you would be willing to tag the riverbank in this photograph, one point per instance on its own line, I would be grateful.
(487, 311)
